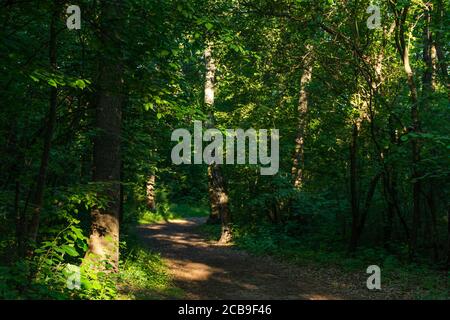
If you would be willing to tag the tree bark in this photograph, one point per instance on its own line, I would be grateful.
(299, 152)
(221, 202)
(415, 162)
(218, 196)
(403, 49)
(150, 192)
(214, 214)
(354, 199)
(429, 86)
(439, 15)
(104, 238)
(19, 221)
(121, 195)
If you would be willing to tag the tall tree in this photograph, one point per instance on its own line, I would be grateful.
(403, 44)
(299, 153)
(104, 238)
(218, 196)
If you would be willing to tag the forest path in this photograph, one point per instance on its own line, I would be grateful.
(205, 270)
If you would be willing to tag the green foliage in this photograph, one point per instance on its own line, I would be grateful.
(63, 243)
(166, 212)
(259, 49)
(144, 275)
(419, 281)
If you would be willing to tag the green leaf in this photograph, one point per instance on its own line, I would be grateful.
(209, 25)
(70, 250)
(164, 53)
(52, 83)
(148, 106)
(80, 84)
(34, 78)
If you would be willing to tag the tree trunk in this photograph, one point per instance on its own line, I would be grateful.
(299, 152)
(42, 176)
(439, 43)
(415, 171)
(19, 221)
(353, 190)
(214, 214)
(358, 215)
(150, 192)
(104, 238)
(388, 190)
(391, 190)
(360, 221)
(403, 49)
(428, 81)
(121, 195)
(218, 196)
(221, 202)
(215, 179)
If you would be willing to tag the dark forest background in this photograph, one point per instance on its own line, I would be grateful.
(86, 117)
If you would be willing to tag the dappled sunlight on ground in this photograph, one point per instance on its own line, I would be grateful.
(192, 271)
(205, 270)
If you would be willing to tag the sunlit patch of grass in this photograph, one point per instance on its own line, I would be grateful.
(144, 276)
(189, 210)
(167, 212)
(149, 217)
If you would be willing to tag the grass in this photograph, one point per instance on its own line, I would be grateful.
(144, 275)
(167, 212)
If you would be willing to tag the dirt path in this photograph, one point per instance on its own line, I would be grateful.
(206, 270)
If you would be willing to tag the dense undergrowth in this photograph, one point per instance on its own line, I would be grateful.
(51, 272)
(142, 275)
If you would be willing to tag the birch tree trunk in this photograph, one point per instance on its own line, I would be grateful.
(299, 152)
(150, 192)
(214, 215)
(218, 196)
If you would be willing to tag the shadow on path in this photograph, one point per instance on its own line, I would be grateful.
(206, 270)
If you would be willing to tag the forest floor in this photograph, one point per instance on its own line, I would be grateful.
(203, 269)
